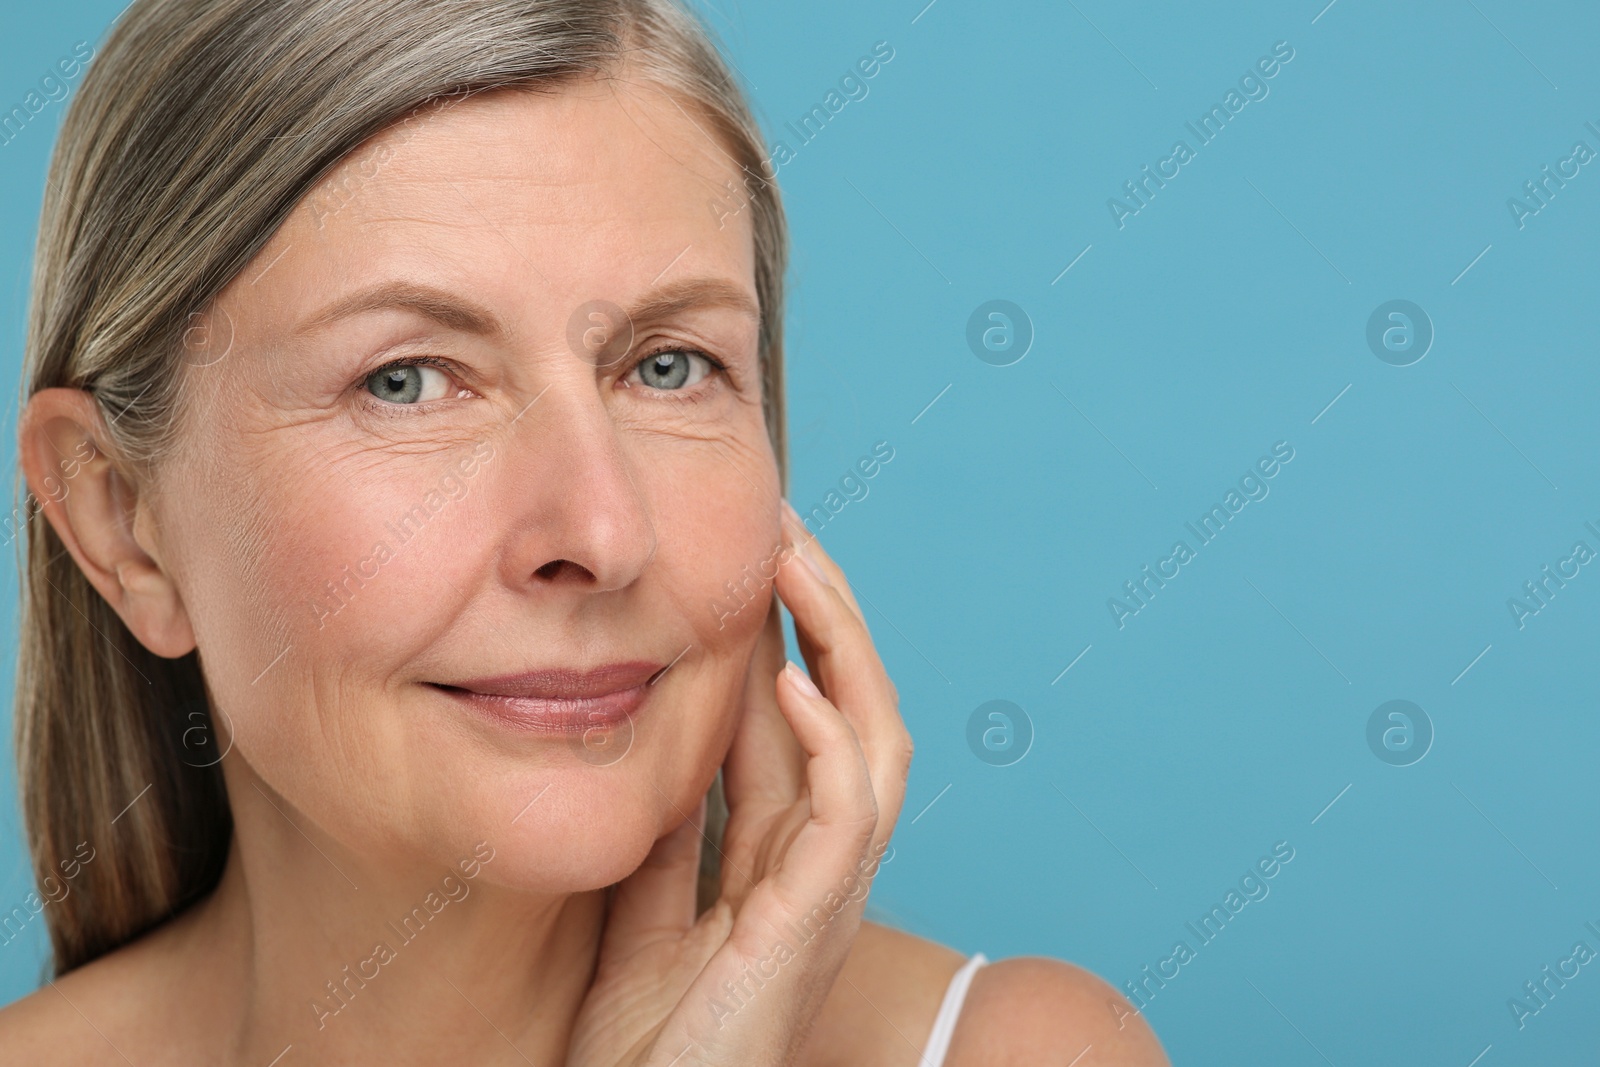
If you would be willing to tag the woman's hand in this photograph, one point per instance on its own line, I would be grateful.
(814, 782)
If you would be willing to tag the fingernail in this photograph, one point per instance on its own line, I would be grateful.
(800, 681)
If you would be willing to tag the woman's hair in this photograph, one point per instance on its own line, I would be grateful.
(199, 127)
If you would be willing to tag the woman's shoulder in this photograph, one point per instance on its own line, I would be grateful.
(1035, 1009)
(884, 1001)
(104, 1012)
(64, 1021)
(1024, 1010)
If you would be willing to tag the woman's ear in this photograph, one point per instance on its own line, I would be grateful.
(96, 510)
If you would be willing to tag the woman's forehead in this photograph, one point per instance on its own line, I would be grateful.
(572, 191)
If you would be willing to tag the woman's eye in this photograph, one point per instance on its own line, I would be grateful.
(409, 383)
(673, 369)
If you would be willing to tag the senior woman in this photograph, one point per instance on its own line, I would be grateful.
(402, 397)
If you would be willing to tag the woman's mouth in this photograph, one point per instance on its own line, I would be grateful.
(560, 701)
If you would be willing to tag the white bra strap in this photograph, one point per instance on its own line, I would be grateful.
(944, 1026)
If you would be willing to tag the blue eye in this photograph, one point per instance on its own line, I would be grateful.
(673, 369)
(408, 383)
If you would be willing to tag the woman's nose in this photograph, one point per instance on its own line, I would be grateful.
(572, 490)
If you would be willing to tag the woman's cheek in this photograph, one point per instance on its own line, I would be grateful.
(307, 581)
(735, 582)
(716, 513)
(374, 562)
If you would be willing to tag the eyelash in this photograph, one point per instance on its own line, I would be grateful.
(402, 410)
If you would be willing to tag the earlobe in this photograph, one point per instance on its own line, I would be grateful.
(94, 509)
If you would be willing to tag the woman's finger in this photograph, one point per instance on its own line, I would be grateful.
(800, 538)
(765, 761)
(828, 621)
(805, 544)
(840, 651)
(836, 772)
(795, 929)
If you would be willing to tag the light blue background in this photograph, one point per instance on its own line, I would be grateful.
(1225, 316)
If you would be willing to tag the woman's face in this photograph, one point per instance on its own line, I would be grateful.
(419, 453)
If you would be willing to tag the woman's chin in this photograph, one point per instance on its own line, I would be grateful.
(571, 828)
(570, 855)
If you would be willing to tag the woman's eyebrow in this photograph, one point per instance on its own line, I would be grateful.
(691, 293)
(456, 313)
(442, 306)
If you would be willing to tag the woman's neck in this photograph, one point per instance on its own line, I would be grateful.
(350, 960)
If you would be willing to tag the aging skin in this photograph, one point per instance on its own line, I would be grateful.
(401, 475)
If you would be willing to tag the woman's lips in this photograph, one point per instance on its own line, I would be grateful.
(560, 701)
